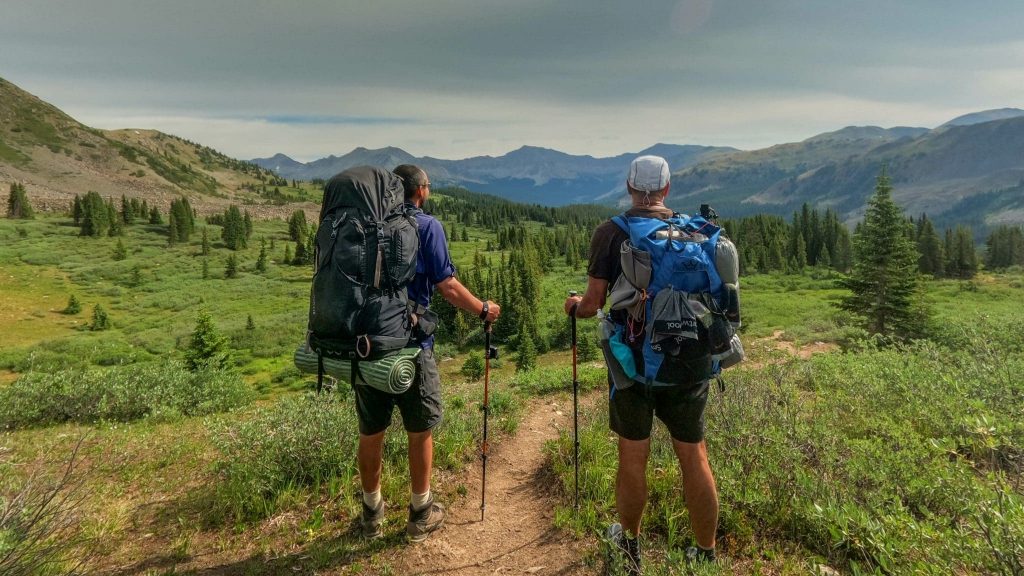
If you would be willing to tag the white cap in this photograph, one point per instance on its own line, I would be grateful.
(648, 174)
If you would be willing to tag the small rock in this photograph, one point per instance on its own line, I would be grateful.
(824, 570)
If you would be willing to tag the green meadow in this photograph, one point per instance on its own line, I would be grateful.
(860, 458)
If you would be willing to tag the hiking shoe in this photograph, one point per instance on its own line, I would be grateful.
(697, 555)
(623, 553)
(371, 520)
(423, 522)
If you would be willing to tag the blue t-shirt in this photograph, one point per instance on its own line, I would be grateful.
(433, 263)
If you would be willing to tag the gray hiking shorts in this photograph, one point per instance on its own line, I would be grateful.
(420, 405)
(631, 411)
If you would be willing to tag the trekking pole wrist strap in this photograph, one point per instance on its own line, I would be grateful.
(486, 309)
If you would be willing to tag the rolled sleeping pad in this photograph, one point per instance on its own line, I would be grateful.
(727, 261)
(393, 374)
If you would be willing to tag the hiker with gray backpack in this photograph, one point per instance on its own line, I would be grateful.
(672, 282)
(379, 258)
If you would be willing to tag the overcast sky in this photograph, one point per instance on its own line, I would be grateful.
(459, 78)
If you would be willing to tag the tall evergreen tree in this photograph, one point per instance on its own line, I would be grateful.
(76, 210)
(884, 279)
(95, 218)
(962, 258)
(929, 245)
(1004, 247)
(18, 206)
(297, 227)
(231, 267)
(233, 231)
(261, 262)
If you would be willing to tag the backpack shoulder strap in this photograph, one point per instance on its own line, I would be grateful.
(621, 222)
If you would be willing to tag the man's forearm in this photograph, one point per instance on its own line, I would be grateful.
(459, 296)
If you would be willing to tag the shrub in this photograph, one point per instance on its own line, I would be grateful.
(120, 394)
(473, 367)
(38, 521)
(883, 461)
(301, 441)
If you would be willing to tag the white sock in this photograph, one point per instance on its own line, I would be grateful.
(419, 501)
(372, 499)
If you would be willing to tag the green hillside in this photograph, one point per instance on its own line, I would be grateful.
(56, 157)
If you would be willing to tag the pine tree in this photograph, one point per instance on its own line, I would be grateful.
(207, 348)
(100, 320)
(526, 356)
(127, 211)
(231, 267)
(205, 246)
(800, 256)
(76, 210)
(1005, 247)
(586, 348)
(95, 218)
(73, 307)
(120, 252)
(154, 216)
(930, 246)
(261, 261)
(884, 279)
(250, 325)
(297, 227)
(234, 231)
(206, 268)
(114, 217)
(962, 260)
(18, 206)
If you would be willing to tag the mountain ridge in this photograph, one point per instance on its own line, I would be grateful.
(969, 170)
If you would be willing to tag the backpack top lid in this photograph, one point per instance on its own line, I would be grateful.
(368, 189)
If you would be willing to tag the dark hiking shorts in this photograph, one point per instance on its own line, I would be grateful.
(420, 405)
(681, 408)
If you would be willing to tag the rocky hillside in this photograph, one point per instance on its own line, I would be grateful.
(56, 157)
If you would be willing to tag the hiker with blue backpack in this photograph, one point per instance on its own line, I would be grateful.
(672, 282)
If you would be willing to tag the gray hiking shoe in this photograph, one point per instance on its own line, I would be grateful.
(423, 522)
(371, 520)
(623, 553)
(696, 555)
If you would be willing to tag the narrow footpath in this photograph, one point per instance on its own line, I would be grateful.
(516, 535)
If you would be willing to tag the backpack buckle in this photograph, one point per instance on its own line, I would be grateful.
(363, 343)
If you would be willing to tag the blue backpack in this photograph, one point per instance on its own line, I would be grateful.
(677, 328)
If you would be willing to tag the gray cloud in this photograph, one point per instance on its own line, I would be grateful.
(480, 74)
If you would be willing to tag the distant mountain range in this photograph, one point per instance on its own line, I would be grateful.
(969, 170)
(529, 174)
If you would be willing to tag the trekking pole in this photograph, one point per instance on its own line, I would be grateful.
(488, 354)
(575, 411)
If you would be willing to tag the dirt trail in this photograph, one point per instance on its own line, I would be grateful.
(516, 536)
